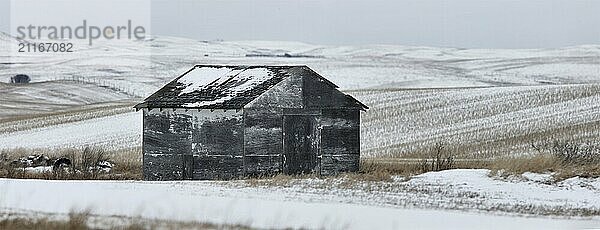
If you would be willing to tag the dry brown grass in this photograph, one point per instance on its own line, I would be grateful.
(26, 224)
(437, 158)
(127, 164)
(381, 168)
(564, 159)
(543, 163)
(538, 163)
(410, 167)
(75, 221)
(83, 220)
(277, 179)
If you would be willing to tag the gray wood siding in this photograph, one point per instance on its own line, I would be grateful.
(340, 141)
(163, 167)
(218, 167)
(167, 137)
(335, 164)
(318, 94)
(263, 120)
(339, 126)
(286, 94)
(211, 140)
(217, 144)
(263, 141)
(217, 133)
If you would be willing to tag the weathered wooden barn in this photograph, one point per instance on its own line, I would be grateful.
(224, 122)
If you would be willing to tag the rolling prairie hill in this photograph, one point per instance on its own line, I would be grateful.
(479, 102)
(147, 65)
(478, 122)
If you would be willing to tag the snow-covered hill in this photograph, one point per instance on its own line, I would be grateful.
(25, 100)
(148, 64)
(398, 122)
(477, 122)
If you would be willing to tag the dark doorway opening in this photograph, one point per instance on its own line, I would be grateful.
(300, 144)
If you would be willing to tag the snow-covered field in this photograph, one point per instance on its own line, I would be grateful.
(47, 97)
(507, 119)
(484, 102)
(484, 122)
(112, 132)
(307, 203)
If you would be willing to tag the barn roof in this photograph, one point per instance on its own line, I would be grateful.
(224, 87)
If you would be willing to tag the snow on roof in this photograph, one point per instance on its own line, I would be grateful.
(217, 87)
(223, 87)
(237, 82)
(201, 76)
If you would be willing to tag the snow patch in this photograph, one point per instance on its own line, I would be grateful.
(538, 177)
(200, 77)
(242, 82)
(39, 169)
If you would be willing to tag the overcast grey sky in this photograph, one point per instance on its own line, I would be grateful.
(453, 23)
